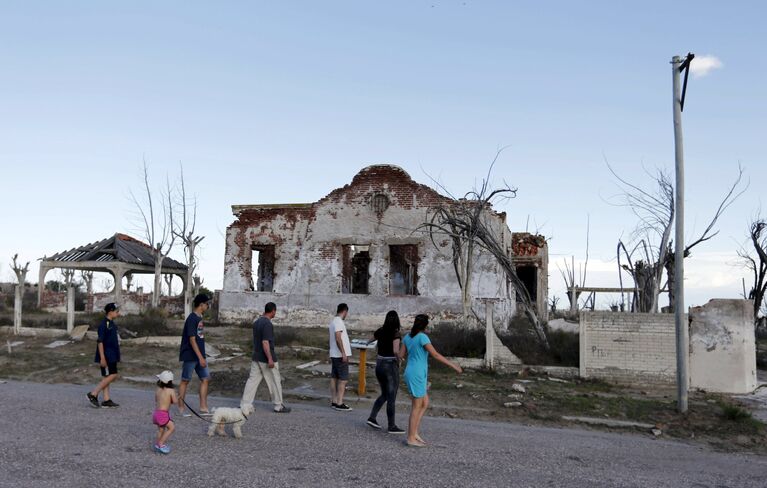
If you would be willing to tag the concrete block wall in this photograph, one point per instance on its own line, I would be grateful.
(502, 355)
(630, 348)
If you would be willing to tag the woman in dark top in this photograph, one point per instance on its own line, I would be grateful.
(387, 371)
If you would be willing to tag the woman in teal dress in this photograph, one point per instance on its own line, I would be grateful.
(417, 347)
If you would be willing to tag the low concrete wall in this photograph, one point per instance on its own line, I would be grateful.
(630, 348)
(35, 332)
(132, 303)
(723, 347)
(366, 312)
(633, 348)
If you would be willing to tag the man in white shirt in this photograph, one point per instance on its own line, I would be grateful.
(340, 352)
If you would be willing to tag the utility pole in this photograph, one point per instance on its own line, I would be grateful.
(678, 65)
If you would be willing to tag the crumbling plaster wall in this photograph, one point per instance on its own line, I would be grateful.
(723, 346)
(309, 240)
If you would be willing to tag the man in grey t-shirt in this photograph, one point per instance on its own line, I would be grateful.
(264, 365)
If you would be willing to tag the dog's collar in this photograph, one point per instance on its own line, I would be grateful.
(243, 413)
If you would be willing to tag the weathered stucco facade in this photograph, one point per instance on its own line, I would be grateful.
(359, 245)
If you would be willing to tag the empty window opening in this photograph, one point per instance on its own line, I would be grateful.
(403, 270)
(356, 269)
(262, 273)
(529, 277)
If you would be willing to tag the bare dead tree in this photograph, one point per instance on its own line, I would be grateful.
(649, 253)
(128, 281)
(168, 278)
(107, 284)
(68, 275)
(156, 224)
(448, 218)
(185, 230)
(757, 265)
(466, 223)
(87, 277)
(553, 302)
(21, 278)
(197, 286)
(568, 274)
(621, 269)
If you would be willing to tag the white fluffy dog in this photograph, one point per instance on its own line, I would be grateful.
(235, 417)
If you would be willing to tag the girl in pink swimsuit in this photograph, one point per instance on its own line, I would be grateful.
(165, 396)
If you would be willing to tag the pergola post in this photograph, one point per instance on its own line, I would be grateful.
(41, 283)
(69, 276)
(119, 274)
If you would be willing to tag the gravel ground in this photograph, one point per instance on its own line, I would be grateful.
(52, 438)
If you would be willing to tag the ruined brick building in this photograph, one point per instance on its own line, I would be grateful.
(358, 245)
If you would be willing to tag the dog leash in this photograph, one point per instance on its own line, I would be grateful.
(210, 421)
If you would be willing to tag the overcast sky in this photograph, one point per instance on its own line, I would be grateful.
(284, 101)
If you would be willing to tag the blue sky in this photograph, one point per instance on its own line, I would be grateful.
(284, 101)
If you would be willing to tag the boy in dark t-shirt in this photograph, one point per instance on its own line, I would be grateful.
(107, 356)
(192, 355)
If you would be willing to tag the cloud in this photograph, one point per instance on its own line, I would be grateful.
(703, 65)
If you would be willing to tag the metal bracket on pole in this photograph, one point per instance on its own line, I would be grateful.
(685, 66)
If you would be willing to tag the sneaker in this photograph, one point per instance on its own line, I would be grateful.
(342, 407)
(205, 414)
(395, 430)
(282, 409)
(374, 424)
(109, 404)
(333, 405)
(93, 399)
(162, 449)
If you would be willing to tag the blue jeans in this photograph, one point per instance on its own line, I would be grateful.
(387, 373)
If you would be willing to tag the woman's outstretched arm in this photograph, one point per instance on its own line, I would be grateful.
(442, 359)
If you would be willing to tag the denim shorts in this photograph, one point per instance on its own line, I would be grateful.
(186, 371)
(339, 369)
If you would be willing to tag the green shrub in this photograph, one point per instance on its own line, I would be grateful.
(458, 341)
(287, 336)
(735, 413)
(151, 322)
(564, 347)
(29, 300)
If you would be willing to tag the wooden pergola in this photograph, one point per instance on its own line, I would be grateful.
(118, 255)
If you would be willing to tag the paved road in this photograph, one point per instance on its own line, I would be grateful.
(50, 437)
